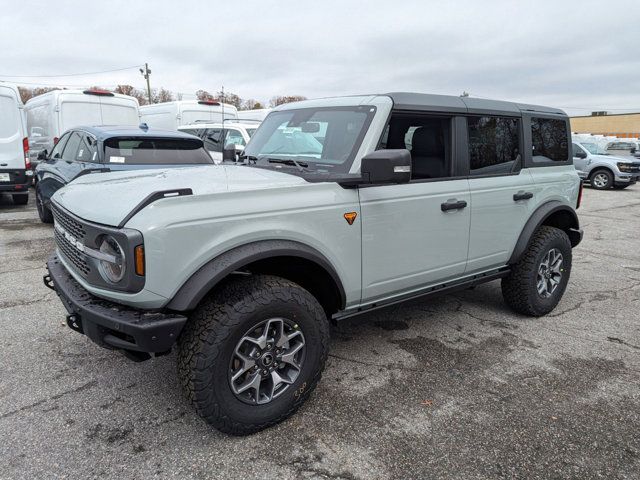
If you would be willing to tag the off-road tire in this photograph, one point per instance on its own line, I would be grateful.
(43, 212)
(20, 199)
(605, 172)
(519, 287)
(207, 343)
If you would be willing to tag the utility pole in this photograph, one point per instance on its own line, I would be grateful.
(145, 73)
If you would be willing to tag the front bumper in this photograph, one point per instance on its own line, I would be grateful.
(626, 178)
(109, 324)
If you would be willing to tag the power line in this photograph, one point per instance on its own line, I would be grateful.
(71, 74)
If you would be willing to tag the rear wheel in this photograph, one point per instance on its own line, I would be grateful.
(21, 199)
(537, 282)
(601, 179)
(43, 211)
(252, 353)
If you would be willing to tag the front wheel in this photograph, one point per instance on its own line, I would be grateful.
(601, 179)
(252, 353)
(537, 282)
(43, 211)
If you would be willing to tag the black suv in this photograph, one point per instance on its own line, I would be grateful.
(84, 150)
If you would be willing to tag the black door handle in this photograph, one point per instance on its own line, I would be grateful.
(453, 205)
(522, 196)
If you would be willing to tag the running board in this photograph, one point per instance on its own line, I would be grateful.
(435, 290)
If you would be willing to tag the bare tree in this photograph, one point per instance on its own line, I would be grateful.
(133, 92)
(230, 99)
(281, 99)
(204, 95)
(27, 93)
(162, 95)
(251, 104)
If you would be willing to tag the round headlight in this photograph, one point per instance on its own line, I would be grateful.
(113, 269)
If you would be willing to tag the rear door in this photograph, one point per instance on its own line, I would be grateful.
(11, 131)
(502, 192)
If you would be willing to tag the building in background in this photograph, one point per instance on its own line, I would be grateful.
(621, 125)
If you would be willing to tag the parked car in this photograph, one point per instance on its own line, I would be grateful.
(171, 115)
(622, 148)
(15, 166)
(102, 149)
(235, 134)
(243, 266)
(53, 113)
(602, 170)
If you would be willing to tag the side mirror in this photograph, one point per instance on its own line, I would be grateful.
(386, 166)
(580, 154)
(229, 152)
(42, 155)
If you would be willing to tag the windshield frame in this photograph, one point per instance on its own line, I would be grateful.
(315, 165)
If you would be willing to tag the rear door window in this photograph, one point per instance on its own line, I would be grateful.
(549, 138)
(494, 145)
(71, 148)
(87, 151)
(155, 151)
(233, 137)
(59, 147)
(9, 116)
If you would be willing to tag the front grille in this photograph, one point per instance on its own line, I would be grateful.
(70, 225)
(72, 254)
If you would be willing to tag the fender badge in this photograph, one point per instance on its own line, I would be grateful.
(350, 217)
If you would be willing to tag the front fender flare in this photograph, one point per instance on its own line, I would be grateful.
(212, 272)
(537, 219)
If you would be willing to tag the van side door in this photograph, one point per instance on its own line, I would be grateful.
(416, 235)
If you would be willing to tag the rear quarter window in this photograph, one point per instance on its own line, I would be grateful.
(155, 151)
(8, 117)
(549, 139)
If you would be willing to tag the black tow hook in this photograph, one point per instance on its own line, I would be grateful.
(75, 323)
(48, 281)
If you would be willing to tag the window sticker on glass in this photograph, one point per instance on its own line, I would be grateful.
(95, 154)
(116, 159)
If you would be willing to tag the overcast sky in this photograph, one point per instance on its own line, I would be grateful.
(577, 55)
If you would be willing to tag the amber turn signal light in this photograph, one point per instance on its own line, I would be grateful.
(350, 217)
(139, 258)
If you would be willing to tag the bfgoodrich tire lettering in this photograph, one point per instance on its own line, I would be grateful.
(520, 288)
(210, 339)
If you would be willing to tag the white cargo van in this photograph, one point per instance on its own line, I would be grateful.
(257, 115)
(53, 113)
(15, 168)
(171, 115)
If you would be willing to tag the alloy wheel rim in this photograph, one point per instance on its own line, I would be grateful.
(266, 361)
(550, 273)
(600, 180)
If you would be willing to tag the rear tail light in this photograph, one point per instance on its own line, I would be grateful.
(25, 148)
(579, 195)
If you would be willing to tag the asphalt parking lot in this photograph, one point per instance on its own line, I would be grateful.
(454, 387)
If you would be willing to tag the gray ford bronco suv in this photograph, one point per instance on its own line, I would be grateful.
(341, 206)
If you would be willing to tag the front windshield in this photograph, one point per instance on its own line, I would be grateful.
(594, 149)
(320, 139)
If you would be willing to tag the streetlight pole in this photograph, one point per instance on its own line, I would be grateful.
(145, 73)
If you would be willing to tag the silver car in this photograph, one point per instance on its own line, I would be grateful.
(603, 170)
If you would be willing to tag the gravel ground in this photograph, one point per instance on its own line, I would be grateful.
(455, 387)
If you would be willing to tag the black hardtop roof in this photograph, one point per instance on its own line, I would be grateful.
(104, 132)
(451, 103)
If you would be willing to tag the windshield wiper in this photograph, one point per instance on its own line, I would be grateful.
(251, 158)
(289, 161)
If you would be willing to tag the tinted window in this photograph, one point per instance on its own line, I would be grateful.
(71, 148)
(549, 140)
(160, 151)
(427, 138)
(576, 149)
(59, 147)
(494, 145)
